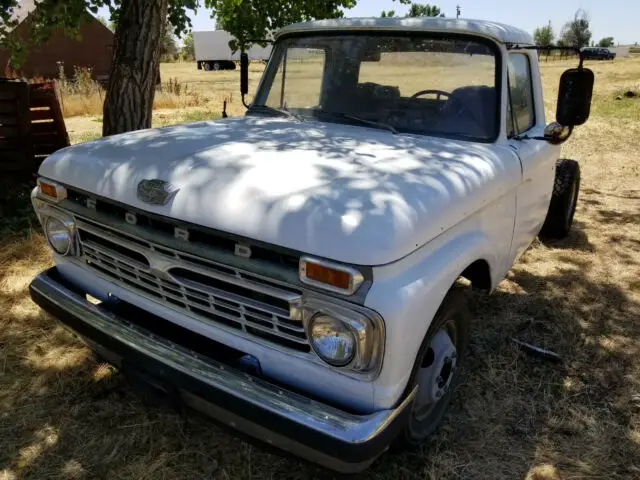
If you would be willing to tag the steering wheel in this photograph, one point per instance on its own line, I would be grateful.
(438, 93)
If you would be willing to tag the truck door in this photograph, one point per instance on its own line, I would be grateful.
(525, 117)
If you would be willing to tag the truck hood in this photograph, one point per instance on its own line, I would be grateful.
(353, 194)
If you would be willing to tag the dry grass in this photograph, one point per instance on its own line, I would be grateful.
(62, 415)
(91, 103)
(195, 88)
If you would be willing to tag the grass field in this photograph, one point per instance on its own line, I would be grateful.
(62, 415)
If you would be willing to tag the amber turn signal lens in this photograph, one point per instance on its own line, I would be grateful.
(52, 190)
(330, 276)
(48, 189)
(327, 275)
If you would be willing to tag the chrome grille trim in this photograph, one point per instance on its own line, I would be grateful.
(261, 320)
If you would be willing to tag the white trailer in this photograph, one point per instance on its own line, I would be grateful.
(213, 53)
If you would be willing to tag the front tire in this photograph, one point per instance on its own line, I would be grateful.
(564, 200)
(435, 369)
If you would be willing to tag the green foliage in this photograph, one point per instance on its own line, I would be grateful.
(544, 35)
(576, 33)
(416, 10)
(251, 21)
(426, 10)
(188, 50)
(606, 42)
(168, 45)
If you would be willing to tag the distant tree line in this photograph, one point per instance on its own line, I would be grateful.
(575, 33)
(416, 10)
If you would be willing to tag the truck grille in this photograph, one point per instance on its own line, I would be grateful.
(211, 292)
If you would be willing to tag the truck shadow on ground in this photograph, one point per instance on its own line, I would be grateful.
(577, 239)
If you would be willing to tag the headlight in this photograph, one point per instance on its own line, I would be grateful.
(332, 340)
(59, 234)
(345, 335)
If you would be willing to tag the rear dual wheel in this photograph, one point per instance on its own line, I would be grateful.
(564, 200)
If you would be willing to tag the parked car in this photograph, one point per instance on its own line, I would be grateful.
(597, 53)
(294, 273)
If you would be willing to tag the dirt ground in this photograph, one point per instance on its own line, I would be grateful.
(62, 415)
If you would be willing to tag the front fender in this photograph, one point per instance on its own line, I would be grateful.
(408, 293)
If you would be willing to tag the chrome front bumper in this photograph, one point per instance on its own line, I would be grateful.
(320, 433)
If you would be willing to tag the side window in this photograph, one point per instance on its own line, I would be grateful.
(521, 93)
(298, 81)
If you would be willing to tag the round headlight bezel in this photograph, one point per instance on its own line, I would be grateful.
(63, 227)
(336, 325)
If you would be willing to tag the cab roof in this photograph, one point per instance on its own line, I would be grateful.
(496, 31)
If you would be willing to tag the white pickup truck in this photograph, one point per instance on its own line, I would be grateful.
(294, 273)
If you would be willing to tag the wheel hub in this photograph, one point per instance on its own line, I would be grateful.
(435, 379)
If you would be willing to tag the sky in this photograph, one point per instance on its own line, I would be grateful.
(613, 18)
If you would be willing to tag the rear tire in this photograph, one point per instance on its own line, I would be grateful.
(564, 200)
(216, 66)
(435, 370)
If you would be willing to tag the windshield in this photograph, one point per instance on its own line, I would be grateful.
(403, 83)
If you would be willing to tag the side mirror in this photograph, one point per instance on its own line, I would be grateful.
(555, 133)
(244, 73)
(574, 97)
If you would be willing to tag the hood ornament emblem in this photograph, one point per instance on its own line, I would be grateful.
(156, 191)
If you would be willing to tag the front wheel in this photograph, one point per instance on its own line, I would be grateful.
(435, 372)
(564, 200)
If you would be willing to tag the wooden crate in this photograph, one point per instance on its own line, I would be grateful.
(15, 127)
(48, 131)
(31, 125)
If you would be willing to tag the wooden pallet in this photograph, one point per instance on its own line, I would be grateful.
(48, 131)
(31, 125)
(15, 127)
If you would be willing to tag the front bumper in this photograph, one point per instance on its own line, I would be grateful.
(317, 432)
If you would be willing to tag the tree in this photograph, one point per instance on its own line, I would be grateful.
(606, 42)
(251, 21)
(139, 29)
(426, 10)
(140, 26)
(416, 10)
(168, 45)
(188, 49)
(543, 36)
(576, 33)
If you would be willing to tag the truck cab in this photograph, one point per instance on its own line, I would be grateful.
(294, 273)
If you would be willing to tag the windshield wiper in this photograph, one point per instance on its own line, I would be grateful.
(277, 111)
(364, 121)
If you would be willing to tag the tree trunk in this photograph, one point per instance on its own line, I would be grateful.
(135, 66)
